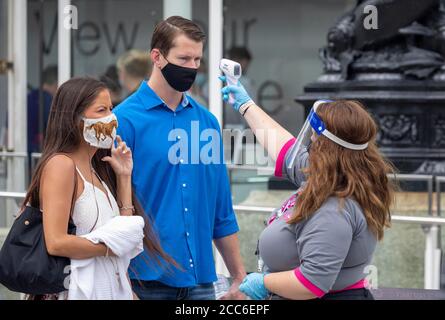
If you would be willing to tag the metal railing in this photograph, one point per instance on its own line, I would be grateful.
(431, 225)
(12, 195)
(429, 179)
(432, 254)
(13, 177)
(432, 221)
(8, 154)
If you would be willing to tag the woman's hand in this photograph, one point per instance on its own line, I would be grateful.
(238, 92)
(121, 159)
(253, 286)
(268, 132)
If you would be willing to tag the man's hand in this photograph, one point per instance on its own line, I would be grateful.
(228, 247)
(234, 293)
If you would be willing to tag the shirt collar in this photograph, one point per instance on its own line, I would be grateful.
(151, 100)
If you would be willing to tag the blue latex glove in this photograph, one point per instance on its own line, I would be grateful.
(240, 94)
(253, 286)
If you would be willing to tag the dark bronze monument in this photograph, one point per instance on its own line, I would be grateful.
(397, 71)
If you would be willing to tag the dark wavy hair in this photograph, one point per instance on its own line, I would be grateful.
(64, 135)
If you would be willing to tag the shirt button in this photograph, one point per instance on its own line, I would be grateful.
(182, 160)
(184, 185)
(186, 209)
(178, 137)
(174, 114)
(191, 265)
(188, 234)
(191, 260)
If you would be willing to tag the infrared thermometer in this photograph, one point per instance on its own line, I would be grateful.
(232, 72)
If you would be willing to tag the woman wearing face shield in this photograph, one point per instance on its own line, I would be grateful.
(320, 242)
(84, 176)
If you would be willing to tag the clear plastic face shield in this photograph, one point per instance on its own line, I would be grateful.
(312, 128)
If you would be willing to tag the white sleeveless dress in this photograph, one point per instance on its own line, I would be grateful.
(84, 217)
(85, 210)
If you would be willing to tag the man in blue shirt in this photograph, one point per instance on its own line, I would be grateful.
(179, 175)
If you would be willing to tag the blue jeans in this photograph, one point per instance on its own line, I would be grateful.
(154, 290)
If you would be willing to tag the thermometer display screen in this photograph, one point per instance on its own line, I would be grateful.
(236, 70)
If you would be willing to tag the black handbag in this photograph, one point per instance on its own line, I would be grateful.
(25, 265)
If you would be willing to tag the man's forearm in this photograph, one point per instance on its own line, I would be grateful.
(228, 247)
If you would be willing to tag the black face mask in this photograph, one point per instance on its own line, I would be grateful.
(179, 78)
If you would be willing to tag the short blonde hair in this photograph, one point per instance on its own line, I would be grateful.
(135, 63)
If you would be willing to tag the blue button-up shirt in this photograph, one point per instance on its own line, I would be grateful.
(181, 181)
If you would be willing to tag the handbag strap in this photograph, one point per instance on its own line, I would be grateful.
(73, 198)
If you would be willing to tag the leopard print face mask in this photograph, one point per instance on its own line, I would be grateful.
(100, 133)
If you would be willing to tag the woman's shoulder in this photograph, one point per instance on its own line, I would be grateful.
(341, 208)
(59, 165)
(57, 177)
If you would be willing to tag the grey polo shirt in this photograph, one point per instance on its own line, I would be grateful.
(328, 251)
